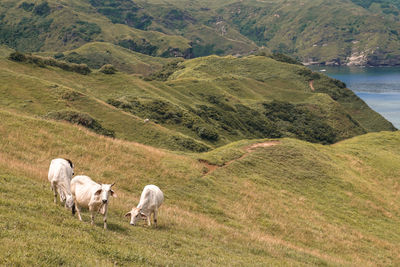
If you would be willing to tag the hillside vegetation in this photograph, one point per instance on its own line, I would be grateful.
(195, 104)
(349, 32)
(290, 203)
(262, 161)
(97, 54)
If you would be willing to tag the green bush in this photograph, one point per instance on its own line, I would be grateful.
(48, 61)
(300, 121)
(285, 58)
(123, 12)
(206, 132)
(27, 6)
(29, 34)
(108, 69)
(59, 55)
(42, 9)
(17, 56)
(190, 144)
(166, 71)
(82, 119)
(143, 46)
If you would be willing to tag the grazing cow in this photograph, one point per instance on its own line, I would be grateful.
(60, 174)
(91, 195)
(150, 200)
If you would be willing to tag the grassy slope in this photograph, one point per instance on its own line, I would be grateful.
(96, 54)
(64, 33)
(240, 79)
(295, 203)
(22, 90)
(319, 31)
(313, 30)
(247, 81)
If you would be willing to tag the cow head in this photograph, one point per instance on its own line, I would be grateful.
(69, 202)
(71, 165)
(136, 214)
(104, 192)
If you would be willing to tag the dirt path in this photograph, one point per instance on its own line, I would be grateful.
(311, 84)
(211, 167)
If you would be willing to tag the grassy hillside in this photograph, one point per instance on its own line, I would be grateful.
(97, 54)
(54, 26)
(322, 31)
(346, 32)
(195, 104)
(315, 31)
(34, 90)
(292, 203)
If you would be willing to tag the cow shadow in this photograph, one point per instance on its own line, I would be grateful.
(114, 227)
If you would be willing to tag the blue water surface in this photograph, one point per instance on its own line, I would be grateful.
(379, 87)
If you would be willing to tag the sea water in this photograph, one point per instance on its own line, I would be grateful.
(379, 87)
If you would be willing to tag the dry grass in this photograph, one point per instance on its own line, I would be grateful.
(294, 203)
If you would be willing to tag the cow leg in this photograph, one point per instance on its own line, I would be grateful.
(54, 189)
(148, 220)
(155, 217)
(105, 217)
(78, 210)
(92, 212)
(62, 196)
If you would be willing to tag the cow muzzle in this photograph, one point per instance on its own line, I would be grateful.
(104, 201)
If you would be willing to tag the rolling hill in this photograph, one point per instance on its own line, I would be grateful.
(290, 203)
(314, 31)
(193, 105)
(97, 54)
(262, 161)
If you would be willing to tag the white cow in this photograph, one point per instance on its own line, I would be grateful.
(60, 174)
(150, 200)
(89, 194)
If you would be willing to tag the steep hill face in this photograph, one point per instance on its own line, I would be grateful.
(61, 26)
(315, 31)
(291, 203)
(327, 32)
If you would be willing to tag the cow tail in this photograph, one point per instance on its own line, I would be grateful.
(73, 209)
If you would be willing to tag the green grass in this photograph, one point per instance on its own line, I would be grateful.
(97, 54)
(294, 203)
(29, 94)
(313, 31)
(70, 25)
(203, 103)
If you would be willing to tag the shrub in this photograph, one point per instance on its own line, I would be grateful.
(82, 119)
(300, 121)
(143, 47)
(285, 58)
(48, 61)
(166, 71)
(191, 144)
(27, 6)
(42, 9)
(59, 55)
(206, 132)
(108, 69)
(17, 56)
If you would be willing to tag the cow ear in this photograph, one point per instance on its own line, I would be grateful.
(98, 192)
(143, 215)
(128, 214)
(113, 193)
